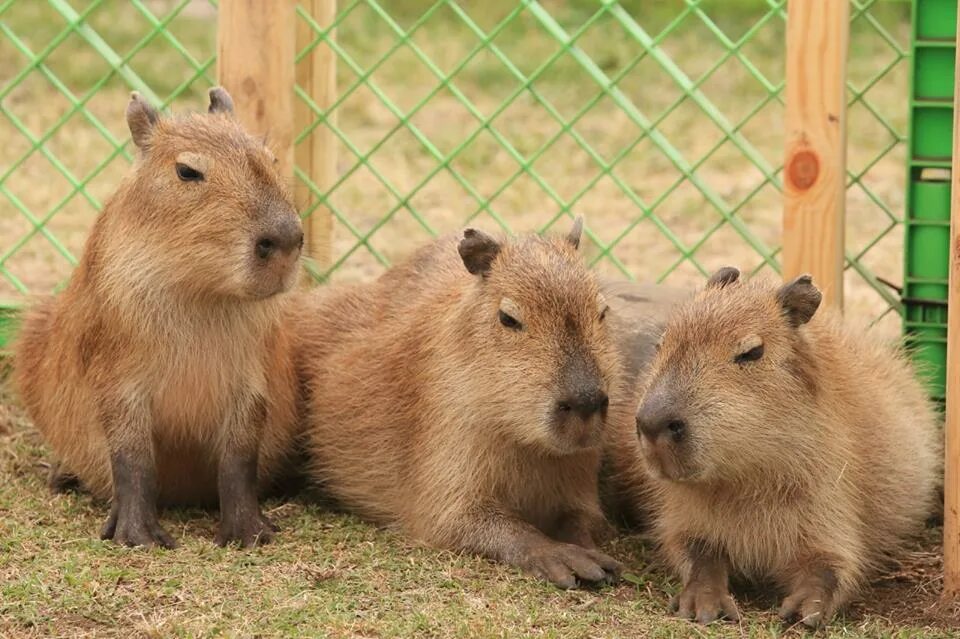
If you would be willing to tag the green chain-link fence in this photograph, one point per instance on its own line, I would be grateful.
(661, 122)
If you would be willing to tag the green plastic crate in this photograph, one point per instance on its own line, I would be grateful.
(927, 220)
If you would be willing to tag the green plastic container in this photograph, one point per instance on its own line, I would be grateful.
(927, 222)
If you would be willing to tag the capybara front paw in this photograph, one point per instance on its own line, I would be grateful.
(131, 527)
(566, 564)
(60, 481)
(247, 531)
(811, 603)
(705, 603)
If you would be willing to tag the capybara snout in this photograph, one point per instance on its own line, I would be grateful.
(283, 236)
(584, 391)
(275, 250)
(585, 402)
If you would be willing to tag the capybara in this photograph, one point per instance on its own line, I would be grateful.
(150, 375)
(782, 446)
(463, 398)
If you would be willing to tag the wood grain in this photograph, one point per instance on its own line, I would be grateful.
(255, 59)
(316, 155)
(951, 510)
(814, 174)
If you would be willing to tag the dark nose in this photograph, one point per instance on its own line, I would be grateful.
(283, 236)
(657, 417)
(585, 403)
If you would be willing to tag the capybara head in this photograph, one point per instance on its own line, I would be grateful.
(538, 337)
(206, 200)
(731, 381)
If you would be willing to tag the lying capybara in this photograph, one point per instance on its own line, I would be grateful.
(463, 398)
(151, 374)
(782, 446)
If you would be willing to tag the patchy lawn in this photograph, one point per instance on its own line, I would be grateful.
(330, 574)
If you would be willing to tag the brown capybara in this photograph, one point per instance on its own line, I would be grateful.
(781, 446)
(463, 398)
(150, 374)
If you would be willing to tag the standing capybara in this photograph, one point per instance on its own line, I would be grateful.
(463, 397)
(781, 446)
(151, 374)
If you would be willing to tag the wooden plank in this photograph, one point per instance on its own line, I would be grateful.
(317, 154)
(951, 487)
(815, 164)
(255, 59)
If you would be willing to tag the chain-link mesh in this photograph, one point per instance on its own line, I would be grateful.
(661, 122)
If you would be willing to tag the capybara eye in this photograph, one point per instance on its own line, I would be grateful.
(188, 173)
(752, 355)
(510, 322)
(603, 313)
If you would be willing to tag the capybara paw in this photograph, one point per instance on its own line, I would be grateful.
(566, 565)
(248, 531)
(810, 604)
(704, 603)
(136, 529)
(60, 481)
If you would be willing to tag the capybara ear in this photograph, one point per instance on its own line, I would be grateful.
(477, 249)
(726, 275)
(220, 101)
(574, 235)
(800, 299)
(141, 117)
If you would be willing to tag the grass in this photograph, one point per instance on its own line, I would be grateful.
(329, 574)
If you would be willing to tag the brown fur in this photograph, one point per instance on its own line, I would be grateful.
(165, 348)
(808, 465)
(428, 414)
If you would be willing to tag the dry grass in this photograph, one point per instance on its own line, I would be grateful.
(331, 575)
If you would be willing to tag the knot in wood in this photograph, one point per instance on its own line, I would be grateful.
(803, 170)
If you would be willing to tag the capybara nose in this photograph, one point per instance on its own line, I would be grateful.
(585, 403)
(284, 237)
(652, 423)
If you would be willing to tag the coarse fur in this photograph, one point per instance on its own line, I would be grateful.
(158, 361)
(430, 411)
(781, 445)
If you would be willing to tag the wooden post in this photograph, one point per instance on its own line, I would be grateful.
(317, 154)
(951, 479)
(255, 58)
(814, 180)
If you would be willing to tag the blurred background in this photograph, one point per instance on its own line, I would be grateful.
(660, 122)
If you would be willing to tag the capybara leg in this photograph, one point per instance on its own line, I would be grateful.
(240, 518)
(60, 481)
(581, 528)
(516, 542)
(706, 593)
(133, 512)
(812, 595)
